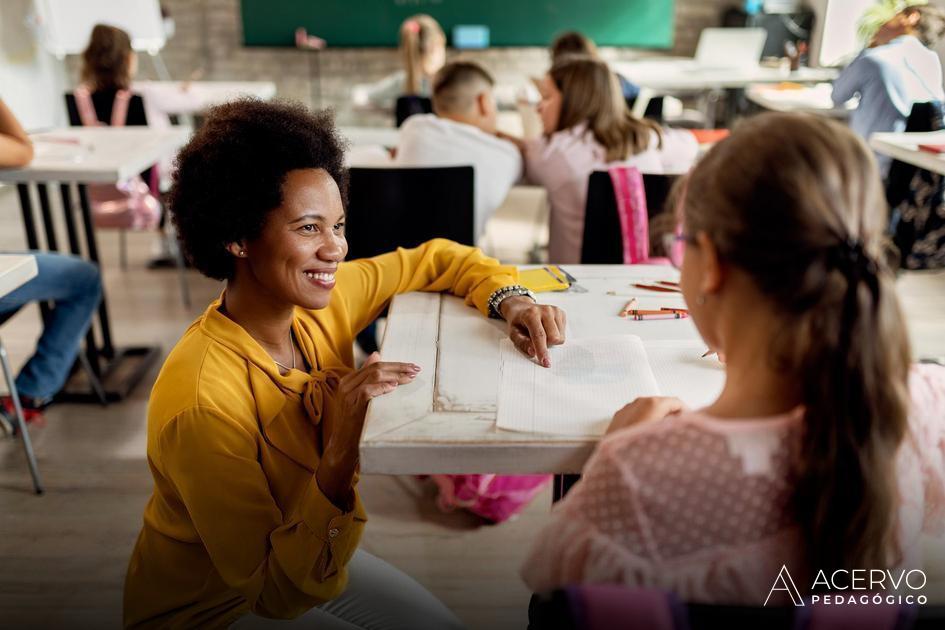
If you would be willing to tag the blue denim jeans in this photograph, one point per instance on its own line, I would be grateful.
(75, 287)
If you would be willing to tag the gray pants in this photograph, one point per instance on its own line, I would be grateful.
(379, 596)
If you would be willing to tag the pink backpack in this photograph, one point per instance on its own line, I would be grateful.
(634, 218)
(127, 205)
(493, 497)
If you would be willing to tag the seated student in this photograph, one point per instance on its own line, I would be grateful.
(255, 419)
(462, 131)
(575, 43)
(896, 70)
(587, 127)
(109, 65)
(423, 53)
(74, 287)
(825, 449)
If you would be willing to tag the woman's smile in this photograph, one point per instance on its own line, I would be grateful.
(321, 278)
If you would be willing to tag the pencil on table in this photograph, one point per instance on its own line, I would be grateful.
(627, 307)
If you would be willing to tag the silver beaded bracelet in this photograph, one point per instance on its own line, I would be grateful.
(500, 295)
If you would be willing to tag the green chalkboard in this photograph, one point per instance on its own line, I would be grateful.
(366, 23)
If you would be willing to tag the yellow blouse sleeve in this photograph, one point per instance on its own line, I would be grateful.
(367, 285)
(283, 564)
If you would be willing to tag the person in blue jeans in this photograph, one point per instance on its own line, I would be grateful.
(74, 287)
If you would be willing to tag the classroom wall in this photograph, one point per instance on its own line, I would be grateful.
(209, 35)
(31, 80)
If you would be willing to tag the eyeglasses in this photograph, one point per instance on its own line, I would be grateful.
(674, 244)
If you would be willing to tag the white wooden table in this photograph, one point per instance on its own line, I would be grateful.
(681, 74)
(382, 136)
(202, 95)
(445, 421)
(810, 99)
(73, 157)
(15, 271)
(905, 148)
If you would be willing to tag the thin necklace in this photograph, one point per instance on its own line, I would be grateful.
(292, 346)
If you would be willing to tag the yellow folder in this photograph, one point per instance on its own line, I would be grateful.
(547, 278)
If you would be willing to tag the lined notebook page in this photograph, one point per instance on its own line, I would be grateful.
(589, 380)
(680, 371)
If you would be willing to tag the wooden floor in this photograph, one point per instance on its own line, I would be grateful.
(63, 555)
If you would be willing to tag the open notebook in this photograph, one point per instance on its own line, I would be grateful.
(590, 379)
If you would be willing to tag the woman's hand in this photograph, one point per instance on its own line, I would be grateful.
(645, 409)
(533, 327)
(355, 391)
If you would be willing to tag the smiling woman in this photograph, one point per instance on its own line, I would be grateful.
(255, 419)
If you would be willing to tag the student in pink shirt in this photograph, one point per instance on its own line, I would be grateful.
(588, 127)
(825, 450)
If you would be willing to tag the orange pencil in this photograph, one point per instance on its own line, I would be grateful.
(626, 307)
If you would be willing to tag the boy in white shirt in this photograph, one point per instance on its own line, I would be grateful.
(462, 132)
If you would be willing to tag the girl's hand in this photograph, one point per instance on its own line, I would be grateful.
(645, 409)
(533, 327)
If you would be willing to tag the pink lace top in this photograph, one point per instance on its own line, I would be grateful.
(700, 505)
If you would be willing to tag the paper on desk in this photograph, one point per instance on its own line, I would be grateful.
(680, 371)
(589, 379)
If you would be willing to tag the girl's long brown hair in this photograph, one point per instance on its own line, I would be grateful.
(418, 34)
(106, 61)
(590, 93)
(796, 203)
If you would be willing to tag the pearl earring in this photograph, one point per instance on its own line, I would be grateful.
(242, 252)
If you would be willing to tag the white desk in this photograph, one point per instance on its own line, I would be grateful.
(905, 147)
(445, 421)
(95, 154)
(202, 95)
(72, 158)
(15, 271)
(681, 74)
(812, 100)
(378, 136)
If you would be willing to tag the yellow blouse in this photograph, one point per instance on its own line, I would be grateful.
(236, 521)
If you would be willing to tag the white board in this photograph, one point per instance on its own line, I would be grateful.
(66, 25)
(839, 42)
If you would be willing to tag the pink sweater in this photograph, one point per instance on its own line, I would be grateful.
(701, 506)
(563, 162)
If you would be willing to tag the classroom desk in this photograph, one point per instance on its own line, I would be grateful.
(674, 74)
(381, 136)
(813, 99)
(905, 148)
(445, 421)
(206, 94)
(15, 271)
(72, 158)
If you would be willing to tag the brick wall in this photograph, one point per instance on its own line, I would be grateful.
(209, 35)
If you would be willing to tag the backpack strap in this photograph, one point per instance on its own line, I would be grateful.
(120, 108)
(632, 212)
(83, 102)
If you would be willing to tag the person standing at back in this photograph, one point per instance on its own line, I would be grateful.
(462, 131)
(896, 70)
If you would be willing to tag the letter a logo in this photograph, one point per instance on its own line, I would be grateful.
(786, 584)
